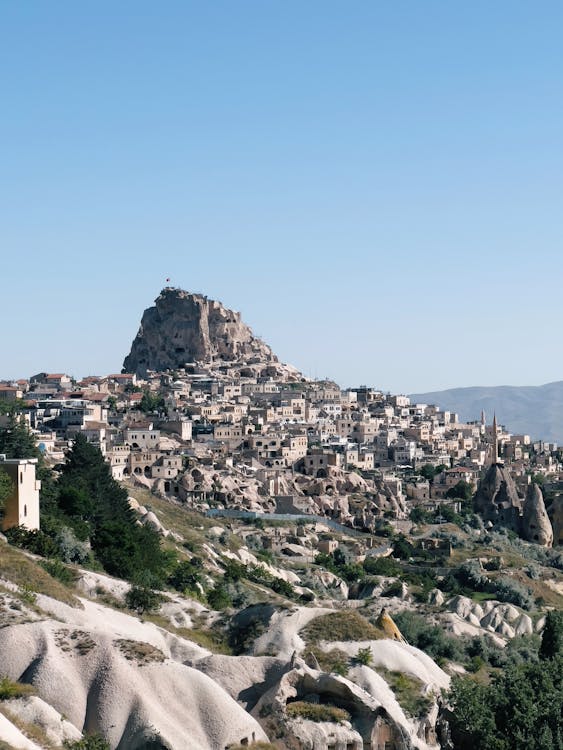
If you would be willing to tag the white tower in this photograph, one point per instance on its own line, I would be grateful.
(22, 506)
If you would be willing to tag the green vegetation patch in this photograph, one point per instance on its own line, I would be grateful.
(334, 660)
(10, 689)
(408, 692)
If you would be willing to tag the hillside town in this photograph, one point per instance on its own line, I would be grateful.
(244, 433)
(309, 567)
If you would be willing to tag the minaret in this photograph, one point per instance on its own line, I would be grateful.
(495, 441)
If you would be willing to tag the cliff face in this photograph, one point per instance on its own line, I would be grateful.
(184, 327)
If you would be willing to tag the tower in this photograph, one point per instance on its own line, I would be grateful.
(22, 506)
(494, 457)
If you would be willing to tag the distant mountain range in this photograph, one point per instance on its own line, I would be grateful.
(533, 410)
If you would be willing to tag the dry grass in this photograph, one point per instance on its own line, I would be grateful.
(74, 640)
(192, 526)
(32, 731)
(10, 689)
(347, 625)
(316, 712)
(17, 567)
(139, 651)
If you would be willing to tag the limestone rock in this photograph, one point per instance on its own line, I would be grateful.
(183, 327)
(556, 516)
(536, 526)
(497, 499)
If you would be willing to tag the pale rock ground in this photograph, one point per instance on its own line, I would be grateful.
(282, 636)
(497, 620)
(246, 557)
(80, 670)
(33, 710)
(13, 737)
(397, 657)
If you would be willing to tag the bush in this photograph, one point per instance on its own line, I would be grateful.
(57, 570)
(364, 656)
(219, 598)
(381, 566)
(317, 712)
(393, 589)
(429, 638)
(186, 576)
(142, 599)
(90, 742)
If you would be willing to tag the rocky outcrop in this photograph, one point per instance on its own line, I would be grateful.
(183, 327)
(497, 499)
(536, 526)
(556, 516)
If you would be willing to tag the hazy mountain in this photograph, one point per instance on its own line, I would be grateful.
(535, 410)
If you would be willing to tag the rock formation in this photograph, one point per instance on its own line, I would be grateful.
(183, 327)
(556, 516)
(536, 526)
(497, 499)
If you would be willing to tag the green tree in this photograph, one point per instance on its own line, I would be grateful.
(151, 402)
(16, 441)
(88, 494)
(519, 710)
(6, 489)
(552, 636)
(462, 489)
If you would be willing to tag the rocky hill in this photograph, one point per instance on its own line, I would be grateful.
(183, 328)
(532, 410)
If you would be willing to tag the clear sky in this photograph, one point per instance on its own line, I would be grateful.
(376, 186)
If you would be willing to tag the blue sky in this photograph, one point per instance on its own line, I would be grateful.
(376, 186)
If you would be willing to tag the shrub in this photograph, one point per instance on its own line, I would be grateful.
(58, 570)
(364, 656)
(507, 590)
(317, 712)
(408, 692)
(142, 599)
(186, 576)
(219, 598)
(89, 742)
(418, 632)
(395, 588)
(381, 566)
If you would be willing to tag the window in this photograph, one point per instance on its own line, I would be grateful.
(25, 510)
